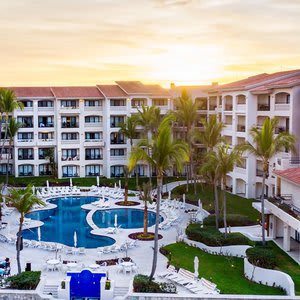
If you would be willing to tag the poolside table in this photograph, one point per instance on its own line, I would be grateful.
(53, 263)
(127, 266)
(72, 266)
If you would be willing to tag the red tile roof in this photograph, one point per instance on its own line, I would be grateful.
(133, 87)
(32, 92)
(157, 90)
(292, 174)
(112, 90)
(76, 92)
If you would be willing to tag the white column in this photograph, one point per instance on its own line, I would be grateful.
(273, 226)
(286, 237)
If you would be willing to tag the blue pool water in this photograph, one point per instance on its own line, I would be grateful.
(61, 222)
(126, 217)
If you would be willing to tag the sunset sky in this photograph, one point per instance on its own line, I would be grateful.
(81, 42)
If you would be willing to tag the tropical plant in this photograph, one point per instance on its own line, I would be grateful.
(23, 200)
(145, 195)
(266, 145)
(186, 115)
(9, 103)
(126, 174)
(166, 153)
(13, 128)
(224, 160)
(50, 155)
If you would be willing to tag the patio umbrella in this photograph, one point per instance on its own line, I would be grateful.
(75, 239)
(71, 183)
(39, 233)
(196, 266)
(116, 221)
(33, 190)
(115, 186)
(169, 197)
(120, 186)
(183, 199)
(47, 183)
(200, 204)
(97, 180)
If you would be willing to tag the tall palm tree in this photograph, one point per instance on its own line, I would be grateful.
(225, 161)
(146, 197)
(23, 200)
(266, 145)
(50, 155)
(186, 115)
(210, 137)
(9, 103)
(165, 153)
(13, 128)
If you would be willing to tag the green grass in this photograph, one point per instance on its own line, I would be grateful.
(226, 272)
(286, 264)
(235, 204)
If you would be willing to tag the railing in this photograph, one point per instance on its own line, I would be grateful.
(24, 125)
(46, 125)
(118, 108)
(46, 108)
(263, 107)
(94, 157)
(25, 140)
(69, 107)
(282, 106)
(26, 174)
(69, 125)
(70, 175)
(115, 125)
(285, 203)
(94, 124)
(28, 157)
(43, 173)
(94, 108)
(46, 140)
(259, 173)
(93, 140)
(70, 158)
(113, 142)
(93, 174)
(294, 161)
(70, 141)
(228, 107)
(120, 157)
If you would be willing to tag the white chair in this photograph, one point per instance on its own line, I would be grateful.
(81, 250)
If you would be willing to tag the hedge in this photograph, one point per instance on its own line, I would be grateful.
(25, 280)
(262, 256)
(142, 284)
(232, 220)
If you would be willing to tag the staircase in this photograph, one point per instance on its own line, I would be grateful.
(51, 289)
(120, 292)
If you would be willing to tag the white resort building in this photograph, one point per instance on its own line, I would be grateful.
(82, 125)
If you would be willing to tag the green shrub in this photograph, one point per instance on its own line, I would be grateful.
(210, 236)
(168, 287)
(25, 280)
(107, 284)
(141, 284)
(232, 220)
(262, 256)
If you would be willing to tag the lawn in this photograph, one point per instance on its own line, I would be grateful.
(226, 272)
(235, 204)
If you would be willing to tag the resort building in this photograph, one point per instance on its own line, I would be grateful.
(81, 124)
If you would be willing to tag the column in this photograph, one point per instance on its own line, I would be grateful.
(286, 237)
(273, 226)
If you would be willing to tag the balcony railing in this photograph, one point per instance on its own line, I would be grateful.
(41, 124)
(113, 142)
(241, 128)
(228, 107)
(259, 173)
(263, 107)
(285, 203)
(93, 157)
(202, 107)
(69, 125)
(25, 125)
(43, 173)
(93, 174)
(26, 174)
(70, 158)
(25, 157)
(212, 107)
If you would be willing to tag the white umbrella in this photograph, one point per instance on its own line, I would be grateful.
(115, 186)
(196, 266)
(75, 239)
(120, 186)
(169, 197)
(183, 198)
(97, 180)
(39, 233)
(71, 183)
(116, 221)
(47, 183)
(33, 190)
(200, 204)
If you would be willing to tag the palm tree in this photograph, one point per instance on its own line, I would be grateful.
(225, 161)
(50, 155)
(9, 103)
(186, 115)
(146, 197)
(266, 145)
(13, 128)
(23, 200)
(210, 137)
(165, 154)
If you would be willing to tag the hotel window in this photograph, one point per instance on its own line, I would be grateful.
(46, 136)
(117, 152)
(93, 135)
(115, 121)
(93, 153)
(3, 169)
(25, 170)
(46, 121)
(117, 102)
(27, 103)
(69, 136)
(25, 136)
(69, 103)
(92, 119)
(70, 171)
(92, 170)
(27, 122)
(92, 103)
(117, 171)
(69, 154)
(138, 102)
(160, 102)
(45, 169)
(117, 138)
(45, 103)
(69, 122)
(42, 152)
(26, 153)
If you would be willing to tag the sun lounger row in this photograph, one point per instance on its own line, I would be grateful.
(172, 218)
(101, 203)
(165, 204)
(58, 191)
(117, 248)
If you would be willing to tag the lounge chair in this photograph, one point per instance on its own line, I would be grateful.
(81, 250)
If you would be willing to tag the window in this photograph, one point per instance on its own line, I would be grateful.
(93, 135)
(70, 171)
(45, 103)
(46, 121)
(69, 154)
(92, 119)
(42, 153)
(93, 153)
(92, 103)
(45, 169)
(117, 138)
(92, 170)
(25, 170)
(25, 136)
(3, 169)
(27, 122)
(27, 103)
(69, 103)
(26, 153)
(46, 136)
(117, 171)
(160, 102)
(115, 121)
(117, 152)
(69, 122)
(117, 102)
(69, 136)
(138, 102)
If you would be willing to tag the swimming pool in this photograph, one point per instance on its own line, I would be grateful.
(126, 218)
(61, 223)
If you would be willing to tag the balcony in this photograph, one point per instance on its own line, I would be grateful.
(93, 142)
(93, 108)
(259, 173)
(70, 125)
(202, 107)
(282, 106)
(44, 173)
(93, 174)
(213, 107)
(228, 107)
(70, 158)
(49, 125)
(117, 142)
(241, 128)
(27, 125)
(119, 158)
(118, 108)
(25, 157)
(280, 129)
(46, 108)
(94, 124)
(93, 157)
(70, 141)
(263, 107)
(22, 174)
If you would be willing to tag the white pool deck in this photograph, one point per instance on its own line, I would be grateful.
(141, 255)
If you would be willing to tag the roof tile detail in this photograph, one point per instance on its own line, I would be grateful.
(32, 92)
(76, 92)
(291, 174)
(111, 90)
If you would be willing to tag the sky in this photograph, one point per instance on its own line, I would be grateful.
(88, 42)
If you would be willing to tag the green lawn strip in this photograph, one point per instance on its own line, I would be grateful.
(286, 264)
(235, 204)
(226, 272)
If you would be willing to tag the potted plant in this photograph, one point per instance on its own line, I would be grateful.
(107, 284)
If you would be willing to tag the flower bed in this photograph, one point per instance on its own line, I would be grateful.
(140, 236)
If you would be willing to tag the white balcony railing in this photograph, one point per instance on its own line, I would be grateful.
(70, 141)
(95, 124)
(283, 106)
